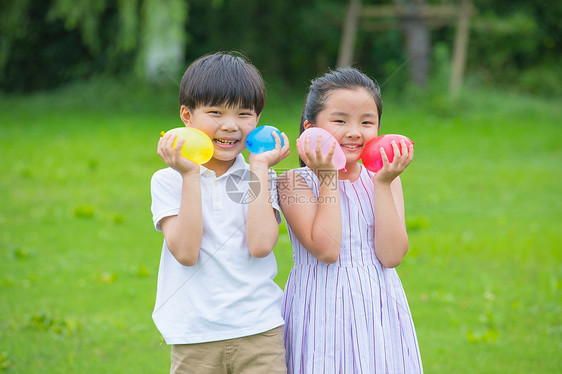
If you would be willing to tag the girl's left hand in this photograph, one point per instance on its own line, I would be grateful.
(391, 170)
(273, 157)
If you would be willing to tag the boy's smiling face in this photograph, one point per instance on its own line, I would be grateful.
(227, 126)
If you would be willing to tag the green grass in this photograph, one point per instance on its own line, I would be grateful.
(79, 255)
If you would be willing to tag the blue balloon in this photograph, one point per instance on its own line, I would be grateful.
(261, 139)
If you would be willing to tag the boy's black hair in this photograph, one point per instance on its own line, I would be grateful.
(222, 78)
(342, 78)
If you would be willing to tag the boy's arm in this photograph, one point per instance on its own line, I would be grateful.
(262, 230)
(183, 233)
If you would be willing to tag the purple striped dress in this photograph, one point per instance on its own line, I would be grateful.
(351, 316)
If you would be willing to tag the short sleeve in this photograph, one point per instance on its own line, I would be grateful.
(274, 197)
(309, 181)
(165, 190)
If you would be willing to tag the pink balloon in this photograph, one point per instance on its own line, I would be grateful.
(372, 152)
(327, 140)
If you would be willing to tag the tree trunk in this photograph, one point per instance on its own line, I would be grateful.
(460, 48)
(347, 43)
(418, 43)
(163, 40)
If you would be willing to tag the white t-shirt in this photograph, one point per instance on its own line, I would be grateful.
(227, 293)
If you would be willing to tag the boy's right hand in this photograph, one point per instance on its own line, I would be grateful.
(274, 156)
(172, 157)
(315, 159)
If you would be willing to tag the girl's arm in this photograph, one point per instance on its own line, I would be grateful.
(262, 229)
(183, 233)
(316, 222)
(391, 238)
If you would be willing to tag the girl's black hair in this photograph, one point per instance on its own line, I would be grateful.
(342, 78)
(222, 78)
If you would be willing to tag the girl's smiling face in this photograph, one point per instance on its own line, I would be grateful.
(351, 116)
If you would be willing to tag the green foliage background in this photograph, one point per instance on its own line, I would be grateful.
(517, 44)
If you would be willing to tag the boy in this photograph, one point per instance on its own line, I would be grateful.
(216, 302)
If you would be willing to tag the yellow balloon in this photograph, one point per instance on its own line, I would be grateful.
(197, 147)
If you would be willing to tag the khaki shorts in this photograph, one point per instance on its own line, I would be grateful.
(260, 353)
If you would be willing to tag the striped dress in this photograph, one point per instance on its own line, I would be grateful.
(351, 316)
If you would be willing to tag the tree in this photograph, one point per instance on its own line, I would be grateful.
(418, 41)
(76, 38)
(163, 38)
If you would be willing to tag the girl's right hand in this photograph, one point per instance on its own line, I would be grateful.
(315, 159)
(172, 157)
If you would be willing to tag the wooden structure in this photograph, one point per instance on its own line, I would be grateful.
(374, 18)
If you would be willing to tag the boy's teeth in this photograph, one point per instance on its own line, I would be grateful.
(222, 141)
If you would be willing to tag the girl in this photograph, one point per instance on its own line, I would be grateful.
(344, 306)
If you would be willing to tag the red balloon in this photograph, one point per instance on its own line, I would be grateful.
(372, 155)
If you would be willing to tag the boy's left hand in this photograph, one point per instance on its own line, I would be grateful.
(173, 157)
(273, 157)
(390, 170)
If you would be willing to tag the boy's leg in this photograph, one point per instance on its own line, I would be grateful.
(204, 358)
(261, 353)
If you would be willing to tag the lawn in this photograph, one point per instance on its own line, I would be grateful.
(79, 255)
